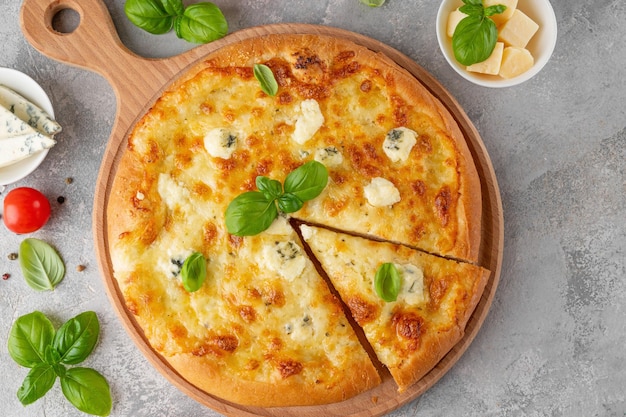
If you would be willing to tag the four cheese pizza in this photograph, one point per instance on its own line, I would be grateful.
(258, 324)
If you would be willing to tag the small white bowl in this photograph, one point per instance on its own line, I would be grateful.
(540, 46)
(29, 89)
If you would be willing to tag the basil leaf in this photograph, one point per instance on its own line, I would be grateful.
(193, 272)
(41, 265)
(28, 339)
(387, 282)
(307, 181)
(87, 390)
(265, 77)
(472, 9)
(37, 383)
(250, 213)
(373, 3)
(76, 338)
(474, 39)
(271, 189)
(289, 203)
(153, 16)
(52, 356)
(201, 23)
(495, 9)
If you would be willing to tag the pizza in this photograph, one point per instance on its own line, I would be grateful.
(265, 326)
(412, 333)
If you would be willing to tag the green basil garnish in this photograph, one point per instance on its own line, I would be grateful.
(201, 23)
(373, 3)
(387, 282)
(35, 344)
(42, 266)
(254, 211)
(265, 77)
(476, 35)
(198, 23)
(87, 390)
(193, 272)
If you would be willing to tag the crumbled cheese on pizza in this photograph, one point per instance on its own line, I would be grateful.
(172, 261)
(280, 227)
(171, 192)
(412, 291)
(220, 143)
(309, 121)
(381, 192)
(329, 156)
(284, 257)
(398, 143)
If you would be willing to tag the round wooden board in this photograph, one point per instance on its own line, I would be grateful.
(94, 45)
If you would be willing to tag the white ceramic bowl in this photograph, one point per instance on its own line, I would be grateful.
(540, 46)
(29, 89)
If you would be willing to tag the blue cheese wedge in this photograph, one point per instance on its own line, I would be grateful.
(16, 148)
(12, 126)
(28, 112)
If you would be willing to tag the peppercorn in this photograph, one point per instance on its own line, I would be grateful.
(61, 200)
(6, 276)
(12, 256)
(81, 268)
(69, 180)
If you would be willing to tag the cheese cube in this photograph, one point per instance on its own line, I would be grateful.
(453, 20)
(491, 65)
(518, 30)
(499, 19)
(515, 61)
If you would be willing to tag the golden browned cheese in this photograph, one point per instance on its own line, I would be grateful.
(264, 328)
(436, 299)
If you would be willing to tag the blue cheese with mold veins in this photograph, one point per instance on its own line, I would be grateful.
(28, 112)
(284, 257)
(412, 291)
(220, 143)
(381, 192)
(309, 121)
(17, 148)
(329, 156)
(398, 143)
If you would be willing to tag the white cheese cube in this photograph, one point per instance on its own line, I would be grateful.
(28, 112)
(515, 61)
(398, 143)
(381, 192)
(16, 148)
(453, 20)
(220, 143)
(518, 30)
(309, 121)
(492, 64)
(499, 19)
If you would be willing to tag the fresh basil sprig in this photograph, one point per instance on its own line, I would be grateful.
(475, 36)
(387, 282)
(193, 272)
(266, 78)
(252, 212)
(198, 23)
(41, 265)
(33, 343)
(373, 3)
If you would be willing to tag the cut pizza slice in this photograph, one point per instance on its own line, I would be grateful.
(434, 301)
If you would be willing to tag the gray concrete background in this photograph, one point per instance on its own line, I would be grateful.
(553, 343)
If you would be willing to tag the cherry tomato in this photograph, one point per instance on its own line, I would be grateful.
(25, 210)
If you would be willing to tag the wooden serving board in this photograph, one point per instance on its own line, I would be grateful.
(138, 82)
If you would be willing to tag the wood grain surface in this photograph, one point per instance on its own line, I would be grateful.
(137, 82)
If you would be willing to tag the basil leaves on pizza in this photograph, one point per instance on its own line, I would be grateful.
(266, 79)
(252, 212)
(193, 272)
(387, 282)
(476, 35)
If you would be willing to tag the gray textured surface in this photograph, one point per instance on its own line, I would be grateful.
(554, 341)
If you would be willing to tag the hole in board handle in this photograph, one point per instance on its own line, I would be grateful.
(65, 20)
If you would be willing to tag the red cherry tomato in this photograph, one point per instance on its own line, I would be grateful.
(25, 210)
